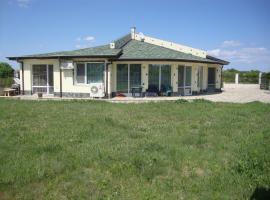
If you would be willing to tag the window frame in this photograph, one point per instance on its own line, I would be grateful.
(85, 71)
(128, 77)
(160, 73)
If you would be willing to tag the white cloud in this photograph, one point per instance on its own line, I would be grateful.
(231, 43)
(89, 38)
(23, 3)
(84, 42)
(246, 55)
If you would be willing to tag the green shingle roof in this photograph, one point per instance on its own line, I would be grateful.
(137, 50)
(128, 49)
(98, 51)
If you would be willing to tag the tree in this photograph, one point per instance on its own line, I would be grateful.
(5, 70)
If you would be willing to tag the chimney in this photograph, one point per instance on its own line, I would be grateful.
(133, 32)
(112, 45)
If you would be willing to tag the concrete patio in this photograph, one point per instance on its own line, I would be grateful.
(234, 93)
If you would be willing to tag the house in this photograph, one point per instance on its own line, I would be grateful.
(130, 62)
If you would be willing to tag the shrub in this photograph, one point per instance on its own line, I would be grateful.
(5, 70)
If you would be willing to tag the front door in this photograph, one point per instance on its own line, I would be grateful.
(42, 79)
(211, 79)
(184, 80)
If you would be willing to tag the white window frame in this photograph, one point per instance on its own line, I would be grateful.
(129, 90)
(47, 85)
(159, 75)
(85, 70)
(184, 86)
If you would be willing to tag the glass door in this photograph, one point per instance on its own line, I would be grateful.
(211, 78)
(159, 76)
(127, 77)
(184, 80)
(42, 76)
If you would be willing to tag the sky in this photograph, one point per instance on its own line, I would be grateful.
(235, 30)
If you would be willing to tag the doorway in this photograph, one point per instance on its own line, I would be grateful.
(184, 80)
(42, 76)
(211, 79)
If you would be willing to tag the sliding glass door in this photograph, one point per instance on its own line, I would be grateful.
(128, 76)
(42, 76)
(159, 76)
(211, 78)
(184, 80)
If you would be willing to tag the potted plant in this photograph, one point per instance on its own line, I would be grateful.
(39, 94)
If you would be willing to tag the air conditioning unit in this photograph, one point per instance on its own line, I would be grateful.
(67, 64)
(97, 90)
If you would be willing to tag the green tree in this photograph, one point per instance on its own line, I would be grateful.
(5, 70)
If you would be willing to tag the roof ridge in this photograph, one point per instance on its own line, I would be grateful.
(171, 45)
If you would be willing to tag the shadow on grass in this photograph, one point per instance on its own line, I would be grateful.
(260, 193)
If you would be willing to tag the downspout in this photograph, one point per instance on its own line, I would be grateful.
(60, 77)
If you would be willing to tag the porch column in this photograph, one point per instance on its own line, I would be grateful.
(174, 78)
(109, 89)
(144, 77)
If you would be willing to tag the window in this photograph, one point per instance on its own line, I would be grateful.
(159, 75)
(128, 76)
(95, 72)
(135, 75)
(80, 73)
(87, 73)
(42, 76)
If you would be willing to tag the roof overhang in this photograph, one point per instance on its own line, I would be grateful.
(219, 61)
(60, 57)
(171, 60)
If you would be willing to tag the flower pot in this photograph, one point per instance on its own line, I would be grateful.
(40, 95)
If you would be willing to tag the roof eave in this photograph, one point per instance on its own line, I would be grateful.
(63, 57)
(159, 59)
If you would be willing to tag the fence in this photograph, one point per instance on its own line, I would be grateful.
(265, 81)
(251, 77)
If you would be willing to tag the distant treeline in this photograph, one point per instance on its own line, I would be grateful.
(252, 76)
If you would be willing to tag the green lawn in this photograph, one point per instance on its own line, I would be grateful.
(99, 150)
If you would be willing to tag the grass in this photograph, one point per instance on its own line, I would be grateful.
(99, 150)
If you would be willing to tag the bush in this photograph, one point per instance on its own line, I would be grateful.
(5, 70)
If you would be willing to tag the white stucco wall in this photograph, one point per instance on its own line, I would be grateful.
(69, 85)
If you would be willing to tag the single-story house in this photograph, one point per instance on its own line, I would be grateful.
(134, 62)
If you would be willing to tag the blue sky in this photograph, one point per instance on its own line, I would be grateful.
(235, 30)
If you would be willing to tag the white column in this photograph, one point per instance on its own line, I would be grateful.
(236, 78)
(260, 78)
(109, 80)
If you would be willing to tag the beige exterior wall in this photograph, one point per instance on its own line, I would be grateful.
(174, 73)
(69, 85)
(28, 72)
